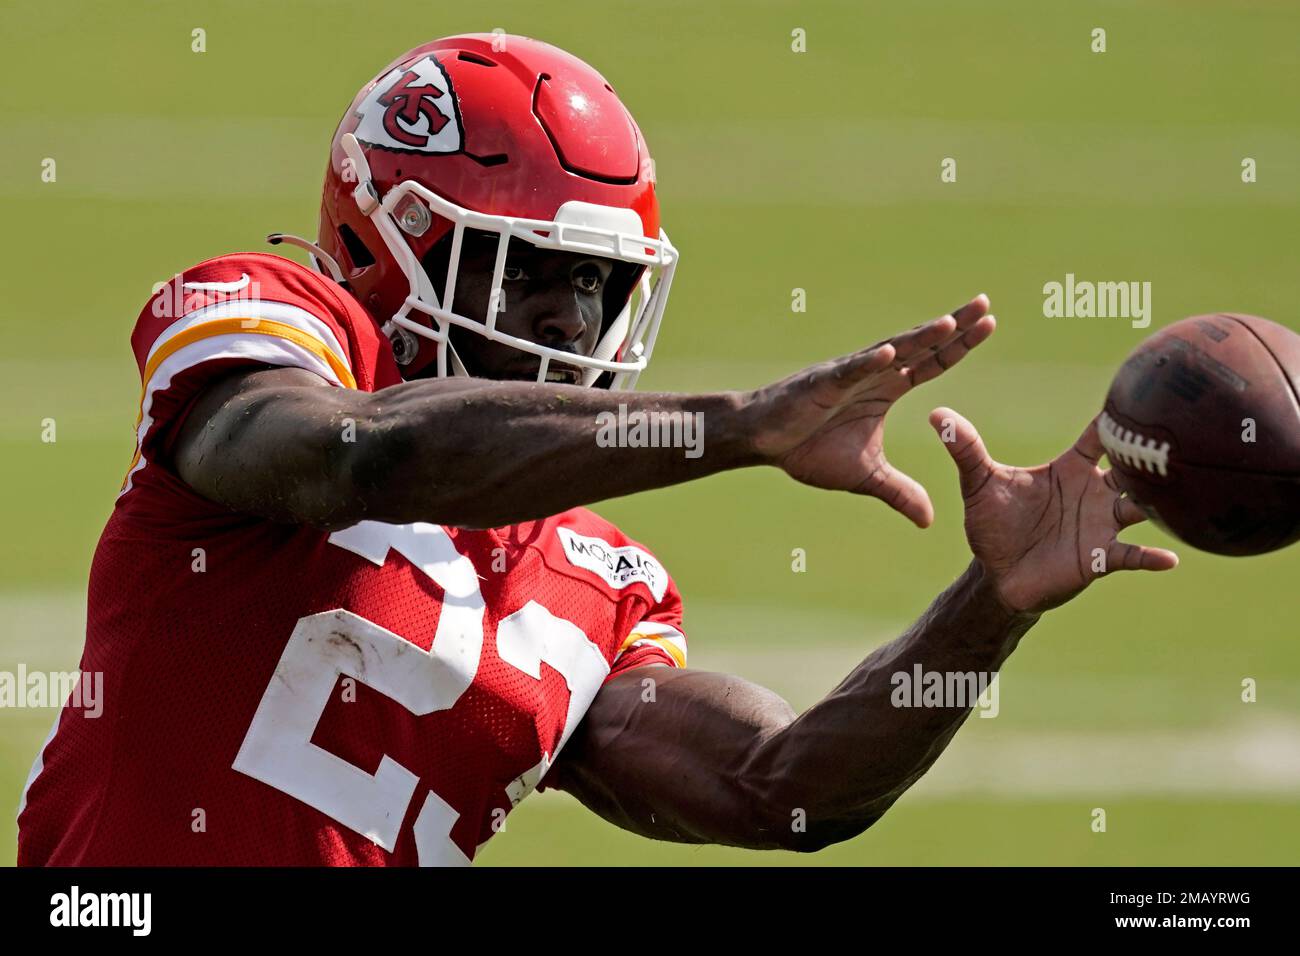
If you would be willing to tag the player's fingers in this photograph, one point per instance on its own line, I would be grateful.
(965, 446)
(1133, 557)
(1089, 443)
(945, 356)
(903, 493)
(970, 313)
(852, 369)
(924, 336)
(940, 332)
(1127, 513)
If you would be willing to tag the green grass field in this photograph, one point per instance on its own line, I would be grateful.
(777, 170)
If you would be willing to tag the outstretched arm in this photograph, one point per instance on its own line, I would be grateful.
(477, 453)
(708, 758)
(715, 759)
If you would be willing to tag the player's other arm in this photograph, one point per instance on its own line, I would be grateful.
(483, 453)
(708, 758)
(712, 758)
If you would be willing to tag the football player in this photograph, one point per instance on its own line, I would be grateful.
(349, 608)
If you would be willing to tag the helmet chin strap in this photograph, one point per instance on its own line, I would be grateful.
(406, 346)
(608, 347)
(457, 367)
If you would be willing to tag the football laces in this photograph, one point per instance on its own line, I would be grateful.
(1132, 448)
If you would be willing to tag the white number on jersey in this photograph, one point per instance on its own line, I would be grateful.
(278, 751)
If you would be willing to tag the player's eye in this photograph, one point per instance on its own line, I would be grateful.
(514, 274)
(587, 281)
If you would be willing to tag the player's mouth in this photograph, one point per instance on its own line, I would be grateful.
(557, 373)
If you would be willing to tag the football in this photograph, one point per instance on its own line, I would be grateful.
(1202, 427)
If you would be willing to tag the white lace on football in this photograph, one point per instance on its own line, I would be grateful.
(613, 233)
(1132, 448)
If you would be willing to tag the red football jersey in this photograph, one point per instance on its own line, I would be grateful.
(275, 694)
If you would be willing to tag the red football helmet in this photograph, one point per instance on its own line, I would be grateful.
(506, 135)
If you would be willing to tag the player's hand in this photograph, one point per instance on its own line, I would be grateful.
(825, 426)
(1044, 534)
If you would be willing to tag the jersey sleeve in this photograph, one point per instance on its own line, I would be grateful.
(236, 311)
(649, 629)
(657, 638)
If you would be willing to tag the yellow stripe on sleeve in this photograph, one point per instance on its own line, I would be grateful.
(667, 646)
(247, 326)
(206, 330)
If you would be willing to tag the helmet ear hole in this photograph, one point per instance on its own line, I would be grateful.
(357, 251)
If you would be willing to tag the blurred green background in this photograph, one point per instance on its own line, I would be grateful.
(816, 170)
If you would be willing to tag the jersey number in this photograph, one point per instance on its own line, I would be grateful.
(278, 750)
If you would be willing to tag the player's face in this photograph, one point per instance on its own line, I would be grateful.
(549, 297)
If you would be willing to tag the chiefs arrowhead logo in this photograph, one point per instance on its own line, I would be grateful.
(411, 109)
